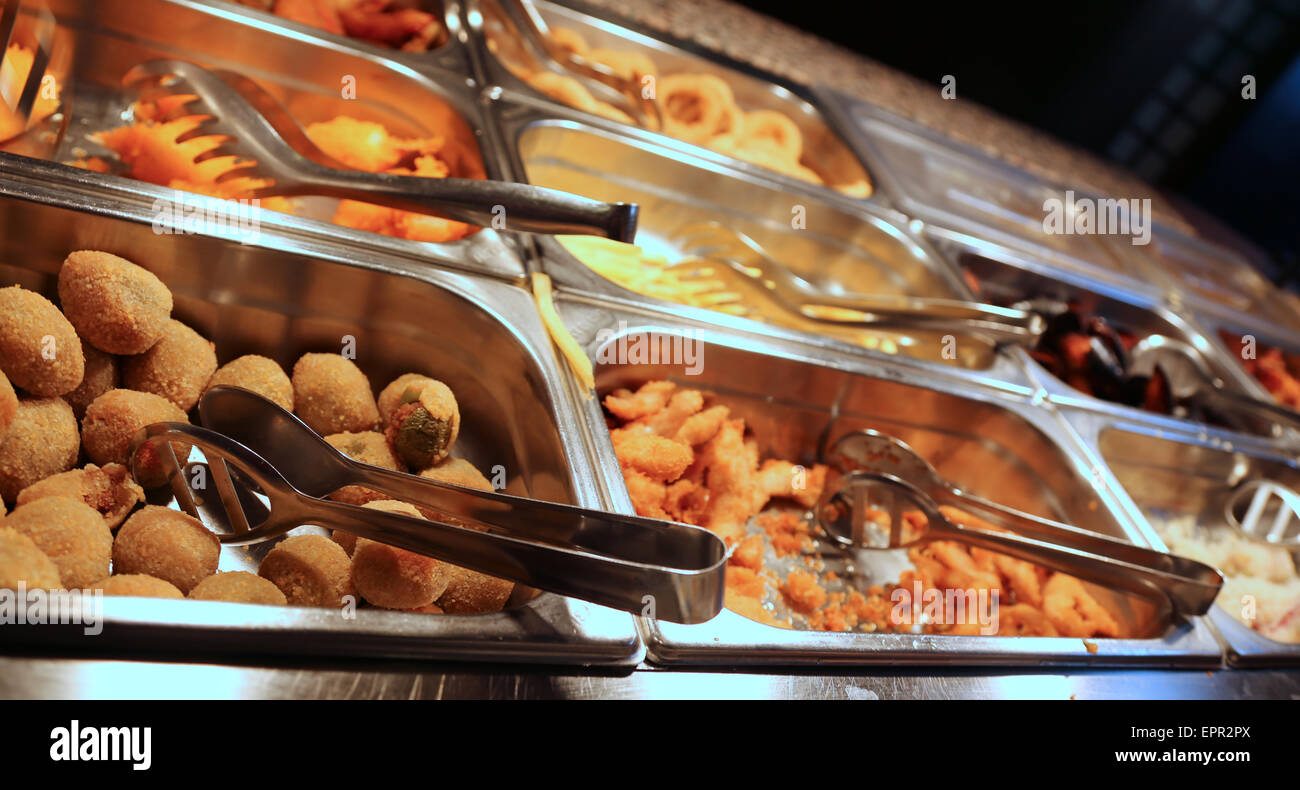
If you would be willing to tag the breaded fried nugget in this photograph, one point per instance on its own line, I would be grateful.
(784, 479)
(41, 441)
(102, 375)
(1073, 610)
(458, 471)
(395, 578)
(39, 349)
(138, 585)
(650, 398)
(119, 307)
(423, 424)
(735, 491)
(22, 562)
(647, 495)
(237, 587)
(168, 544)
(701, 427)
(8, 404)
(112, 420)
(368, 447)
(176, 367)
(110, 491)
(256, 374)
(654, 456)
(70, 534)
(310, 570)
(471, 592)
(669, 420)
(332, 395)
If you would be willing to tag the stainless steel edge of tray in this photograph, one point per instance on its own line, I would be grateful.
(288, 291)
(1016, 272)
(452, 55)
(1166, 474)
(104, 39)
(985, 197)
(860, 250)
(1015, 443)
(753, 87)
(1226, 329)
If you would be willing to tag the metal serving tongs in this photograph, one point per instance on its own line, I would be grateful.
(267, 143)
(1190, 380)
(624, 562)
(712, 245)
(537, 35)
(883, 478)
(21, 102)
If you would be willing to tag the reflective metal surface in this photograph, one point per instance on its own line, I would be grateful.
(105, 38)
(1001, 445)
(825, 151)
(283, 295)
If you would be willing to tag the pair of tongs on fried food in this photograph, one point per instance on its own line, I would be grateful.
(716, 251)
(883, 478)
(272, 474)
(605, 81)
(267, 144)
(37, 24)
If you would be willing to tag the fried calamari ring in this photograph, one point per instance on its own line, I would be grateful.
(569, 91)
(631, 66)
(775, 127)
(569, 40)
(695, 107)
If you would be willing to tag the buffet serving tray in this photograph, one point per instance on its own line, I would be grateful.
(840, 250)
(281, 294)
(824, 141)
(1006, 445)
(98, 41)
(940, 181)
(1169, 473)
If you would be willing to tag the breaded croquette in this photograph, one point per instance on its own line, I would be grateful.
(237, 587)
(396, 578)
(423, 425)
(310, 570)
(117, 306)
(22, 562)
(71, 534)
(368, 447)
(102, 375)
(8, 404)
(332, 395)
(168, 544)
(177, 367)
(39, 349)
(138, 585)
(41, 441)
(256, 374)
(109, 490)
(458, 471)
(112, 420)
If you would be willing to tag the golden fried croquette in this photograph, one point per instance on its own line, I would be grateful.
(458, 471)
(346, 540)
(256, 374)
(310, 570)
(423, 425)
(332, 395)
(102, 375)
(138, 585)
(368, 447)
(109, 490)
(392, 395)
(22, 562)
(395, 578)
(119, 307)
(432, 608)
(112, 420)
(168, 544)
(8, 404)
(176, 367)
(471, 592)
(237, 587)
(70, 534)
(39, 349)
(653, 456)
(41, 441)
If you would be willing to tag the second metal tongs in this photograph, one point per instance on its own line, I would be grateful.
(712, 245)
(883, 478)
(266, 143)
(625, 562)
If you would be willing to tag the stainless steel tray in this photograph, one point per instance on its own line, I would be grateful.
(1169, 473)
(939, 181)
(1008, 275)
(824, 141)
(1004, 445)
(1225, 329)
(283, 294)
(102, 39)
(859, 250)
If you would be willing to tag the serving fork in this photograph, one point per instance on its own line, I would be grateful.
(266, 143)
